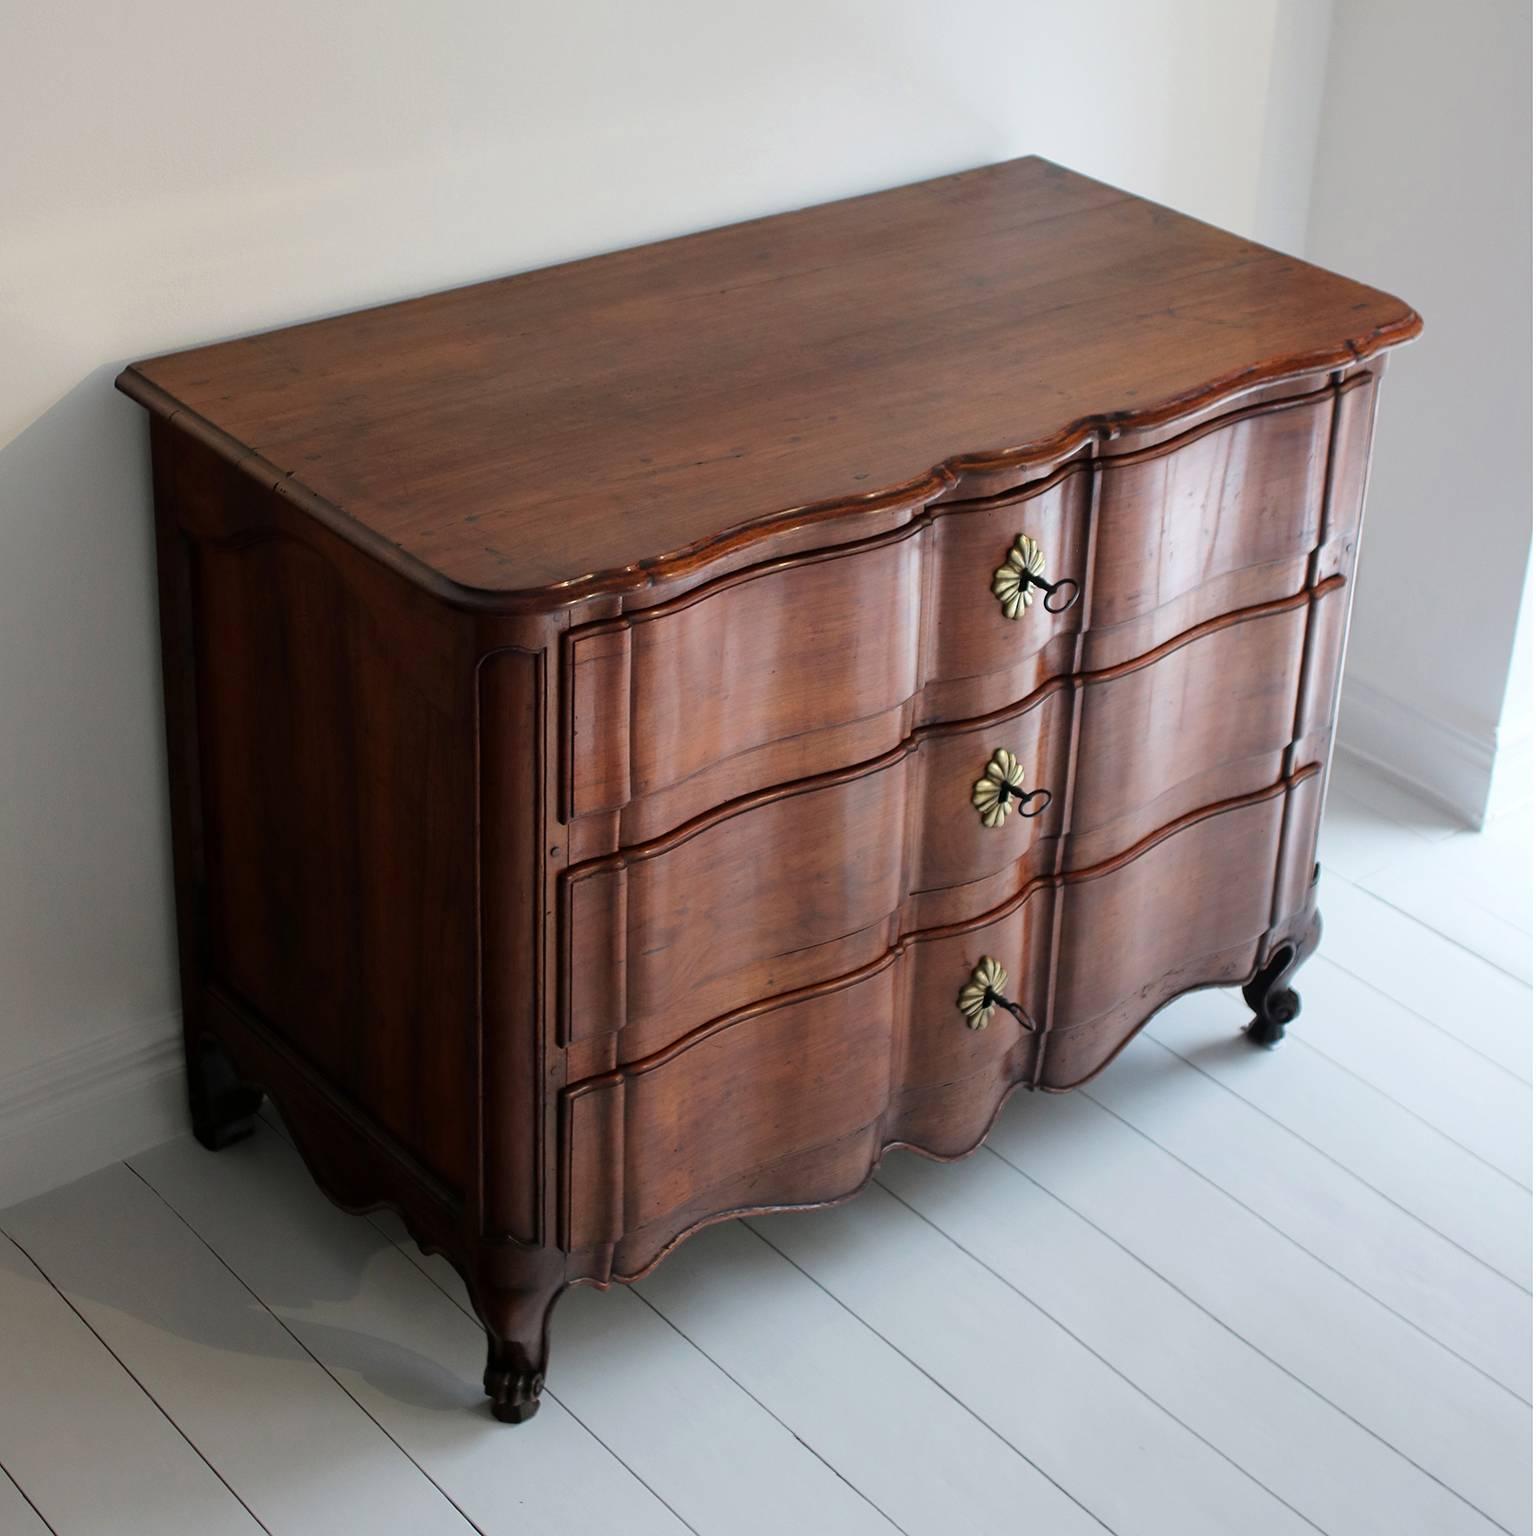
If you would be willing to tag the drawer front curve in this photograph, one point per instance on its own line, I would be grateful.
(794, 1101)
(881, 1055)
(790, 887)
(817, 661)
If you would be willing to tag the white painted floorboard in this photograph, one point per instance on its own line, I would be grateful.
(218, 1362)
(80, 1437)
(1286, 1436)
(1471, 1100)
(1449, 1420)
(1220, 1290)
(1413, 1272)
(1454, 911)
(930, 1462)
(650, 1393)
(1371, 1137)
(399, 1346)
(1082, 1422)
(17, 1517)
(1458, 992)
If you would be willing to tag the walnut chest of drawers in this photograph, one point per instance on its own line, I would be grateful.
(649, 735)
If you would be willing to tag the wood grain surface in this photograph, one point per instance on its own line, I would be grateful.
(766, 893)
(807, 664)
(591, 426)
(775, 1105)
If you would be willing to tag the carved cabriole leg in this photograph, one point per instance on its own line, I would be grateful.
(1270, 995)
(516, 1318)
(223, 1105)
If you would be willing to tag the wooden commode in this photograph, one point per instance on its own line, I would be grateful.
(649, 735)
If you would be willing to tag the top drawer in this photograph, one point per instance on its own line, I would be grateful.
(821, 661)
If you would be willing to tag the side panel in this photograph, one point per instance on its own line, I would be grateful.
(333, 901)
(512, 815)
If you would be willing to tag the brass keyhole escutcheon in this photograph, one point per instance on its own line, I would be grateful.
(984, 992)
(995, 792)
(1014, 582)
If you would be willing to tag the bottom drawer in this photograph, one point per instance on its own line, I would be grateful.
(793, 1101)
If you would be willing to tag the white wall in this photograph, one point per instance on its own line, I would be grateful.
(1514, 768)
(173, 177)
(1423, 187)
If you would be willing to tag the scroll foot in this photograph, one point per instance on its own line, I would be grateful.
(517, 1344)
(1274, 1002)
(513, 1390)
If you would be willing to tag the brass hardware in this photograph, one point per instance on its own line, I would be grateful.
(979, 995)
(984, 992)
(993, 795)
(1013, 583)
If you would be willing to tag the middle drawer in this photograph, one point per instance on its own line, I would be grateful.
(813, 879)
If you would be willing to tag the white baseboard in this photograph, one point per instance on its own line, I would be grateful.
(1448, 766)
(84, 1108)
(1513, 772)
